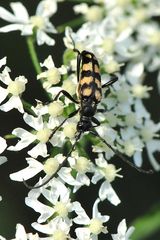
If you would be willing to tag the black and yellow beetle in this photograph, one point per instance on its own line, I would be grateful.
(89, 95)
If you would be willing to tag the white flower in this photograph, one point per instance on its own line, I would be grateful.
(91, 13)
(42, 135)
(57, 229)
(92, 227)
(20, 20)
(123, 233)
(53, 75)
(81, 165)
(13, 90)
(50, 166)
(108, 172)
(58, 196)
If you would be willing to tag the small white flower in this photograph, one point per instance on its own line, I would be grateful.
(60, 202)
(13, 90)
(81, 165)
(57, 229)
(20, 20)
(92, 227)
(123, 233)
(50, 166)
(53, 75)
(108, 172)
(91, 13)
(42, 134)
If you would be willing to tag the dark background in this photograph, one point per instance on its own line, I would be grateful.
(138, 192)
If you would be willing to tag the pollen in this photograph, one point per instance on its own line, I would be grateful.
(108, 45)
(147, 134)
(43, 135)
(69, 86)
(154, 38)
(94, 13)
(37, 22)
(141, 91)
(82, 164)
(51, 166)
(129, 148)
(61, 209)
(16, 87)
(95, 226)
(112, 67)
(55, 108)
(59, 235)
(70, 130)
(53, 76)
(110, 172)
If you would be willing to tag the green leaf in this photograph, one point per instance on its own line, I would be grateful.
(147, 225)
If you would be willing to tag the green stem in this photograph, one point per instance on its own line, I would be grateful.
(73, 23)
(33, 54)
(10, 136)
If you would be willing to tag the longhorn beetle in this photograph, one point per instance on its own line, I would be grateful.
(89, 95)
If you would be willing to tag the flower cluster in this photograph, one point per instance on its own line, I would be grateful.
(125, 38)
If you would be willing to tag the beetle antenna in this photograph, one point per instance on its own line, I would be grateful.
(73, 43)
(78, 135)
(119, 154)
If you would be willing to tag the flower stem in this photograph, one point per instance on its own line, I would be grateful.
(33, 54)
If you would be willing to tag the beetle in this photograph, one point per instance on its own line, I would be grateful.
(89, 95)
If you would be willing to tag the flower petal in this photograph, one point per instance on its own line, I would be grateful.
(34, 122)
(82, 217)
(6, 15)
(39, 150)
(3, 61)
(44, 210)
(42, 38)
(20, 12)
(3, 159)
(20, 232)
(13, 102)
(3, 144)
(28, 172)
(26, 139)
(12, 27)
(106, 192)
(46, 8)
(3, 94)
